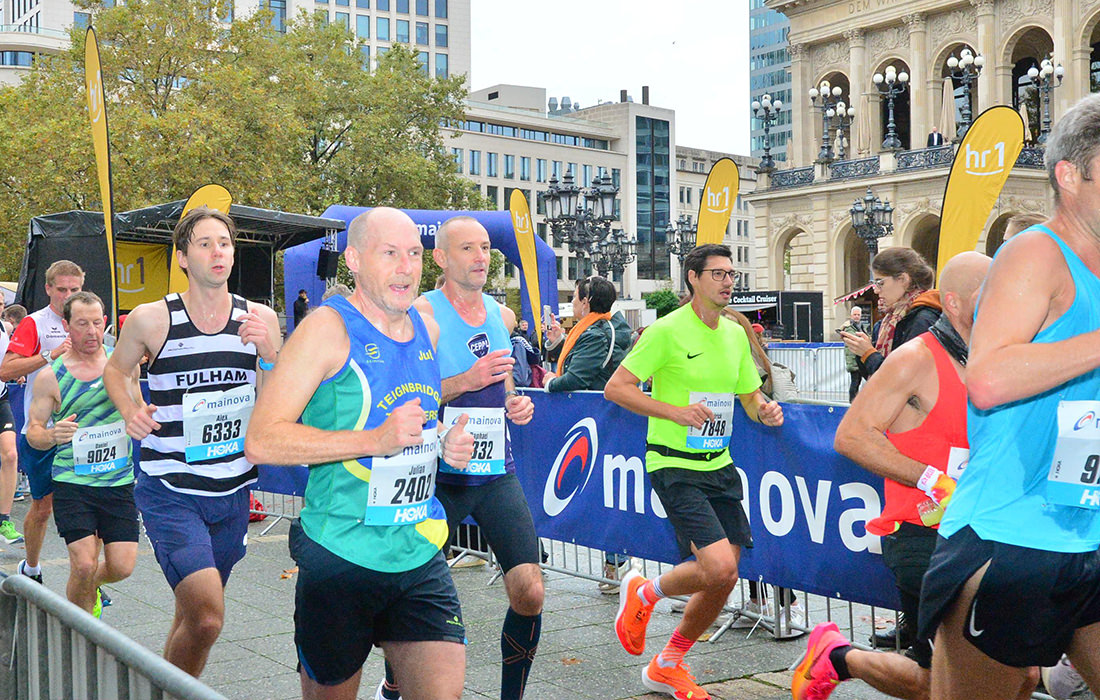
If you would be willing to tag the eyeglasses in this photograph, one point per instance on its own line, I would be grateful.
(719, 275)
(878, 282)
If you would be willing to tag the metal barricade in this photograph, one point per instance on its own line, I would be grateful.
(50, 648)
(277, 507)
(820, 371)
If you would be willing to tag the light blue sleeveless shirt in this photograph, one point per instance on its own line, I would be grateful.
(1002, 494)
(460, 345)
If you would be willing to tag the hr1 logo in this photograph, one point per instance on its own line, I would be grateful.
(979, 163)
(718, 202)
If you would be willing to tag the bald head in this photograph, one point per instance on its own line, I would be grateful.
(444, 236)
(960, 282)
(376, 221)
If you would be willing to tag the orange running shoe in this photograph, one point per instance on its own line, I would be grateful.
(633, 615)
(676, 680)
(814, 677)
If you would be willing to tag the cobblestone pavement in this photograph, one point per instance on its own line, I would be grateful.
(579, 656)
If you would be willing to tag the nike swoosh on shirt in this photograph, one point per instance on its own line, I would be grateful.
(692, 357)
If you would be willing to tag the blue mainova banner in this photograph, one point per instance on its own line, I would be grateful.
(581, 464)
(580, 461)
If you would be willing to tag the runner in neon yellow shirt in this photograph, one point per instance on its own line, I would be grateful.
(699, 362)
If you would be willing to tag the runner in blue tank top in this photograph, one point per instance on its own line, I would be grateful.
(1015, 578)
(476, 365)
(362, 376)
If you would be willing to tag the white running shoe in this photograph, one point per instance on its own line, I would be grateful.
(751, 606)
(1062, 680)
(798, 620)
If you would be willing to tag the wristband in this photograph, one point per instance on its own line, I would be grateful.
(265, 365)
(937, 485)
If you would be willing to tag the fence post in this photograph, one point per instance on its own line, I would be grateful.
(9, 611)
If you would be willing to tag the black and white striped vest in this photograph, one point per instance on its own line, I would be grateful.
(192, 362)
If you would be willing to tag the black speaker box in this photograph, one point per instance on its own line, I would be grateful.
(326, 263)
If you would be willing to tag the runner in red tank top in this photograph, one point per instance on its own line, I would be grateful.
(907, 425)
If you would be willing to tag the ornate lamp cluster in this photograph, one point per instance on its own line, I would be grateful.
(826, 97)
(581, 218)
(767, 112)
(872, 218)
(891, 85)
(1046, 77)
(965, 69)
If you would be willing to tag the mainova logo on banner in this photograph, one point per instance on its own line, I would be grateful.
(981, 168)
(716, 204)
(525, 240)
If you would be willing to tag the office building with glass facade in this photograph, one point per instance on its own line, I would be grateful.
(770, 74)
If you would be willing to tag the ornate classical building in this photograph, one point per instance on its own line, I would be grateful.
(805, 237)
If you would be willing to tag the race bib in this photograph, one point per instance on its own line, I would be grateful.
(487, 427)
(214, 423)
(402, 486)
(957, 460)
(1074, 471)
(715, 433)
(102, 449)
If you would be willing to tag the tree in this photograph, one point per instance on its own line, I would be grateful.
(664, 300)
(289, 121)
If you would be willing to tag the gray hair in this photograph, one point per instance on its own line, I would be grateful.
(1074, 139)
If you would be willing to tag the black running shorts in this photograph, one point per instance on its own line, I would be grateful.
(106, 511)
(1029, 602)
(906, 554)
(341, 609)
(7, 418)
(501, 511)
(703, 507)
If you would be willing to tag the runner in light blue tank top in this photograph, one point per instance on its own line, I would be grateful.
(1013, 446)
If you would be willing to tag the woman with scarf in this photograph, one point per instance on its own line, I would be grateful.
(904, 283)
(597, 343)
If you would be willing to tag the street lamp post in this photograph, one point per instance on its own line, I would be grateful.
(872, 219)
(768, 113)
(844, 116)
(681, 239)
(579, 217)
(614, 253)
(825, 97)
(1047, 77)
(890, 85)
(965, 69)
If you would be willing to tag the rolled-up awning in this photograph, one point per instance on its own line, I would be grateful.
(853, 294)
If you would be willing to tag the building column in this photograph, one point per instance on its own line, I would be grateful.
(860, 85)
(920, 94)
(991, 82)
(802, 122)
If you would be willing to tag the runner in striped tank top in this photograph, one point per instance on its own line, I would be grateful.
(206, 348)
(93, 473)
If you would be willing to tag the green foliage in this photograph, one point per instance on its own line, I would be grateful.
(285, 121)
(664, 300)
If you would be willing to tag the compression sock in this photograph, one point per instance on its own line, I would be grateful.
(651, 592)
(390, 691)
(519, 639)
(674, 651)
(836, 656)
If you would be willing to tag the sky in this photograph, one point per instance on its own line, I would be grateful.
(693, 55)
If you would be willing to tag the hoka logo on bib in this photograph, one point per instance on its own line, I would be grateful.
(479, 345)
(572, 468)
(413, 514)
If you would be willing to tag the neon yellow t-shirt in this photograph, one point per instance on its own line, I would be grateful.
(690, 362)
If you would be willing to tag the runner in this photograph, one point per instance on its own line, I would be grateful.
(9, 455)
(698, 361)
(361, 374)
(192, 487)
(39, 339)
(93, 473)
(475, 362)
(1015, 578)
(908, 425)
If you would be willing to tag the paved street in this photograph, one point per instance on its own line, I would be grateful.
(579, 657)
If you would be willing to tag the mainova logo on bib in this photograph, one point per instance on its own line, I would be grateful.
(572, 468)
(479, 345)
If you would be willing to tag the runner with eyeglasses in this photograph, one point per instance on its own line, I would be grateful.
(699, 361)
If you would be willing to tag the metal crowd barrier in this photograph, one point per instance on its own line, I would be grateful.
(51, 649)
(819, 370)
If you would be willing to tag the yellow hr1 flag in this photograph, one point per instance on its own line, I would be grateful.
(982, 165)
(97, 113)
(213, 196)
(528, 258)
(142, 273)
(716, 203)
